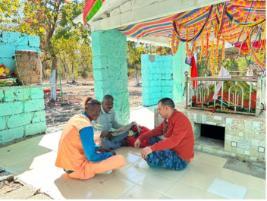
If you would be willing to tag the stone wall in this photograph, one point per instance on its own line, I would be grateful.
(21, 112)
(157, 78)
(244, 135)
(10, 42)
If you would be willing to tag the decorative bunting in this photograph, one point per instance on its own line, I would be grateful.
(90, 9)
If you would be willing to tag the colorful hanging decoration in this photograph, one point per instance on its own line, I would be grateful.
(210, 28)
(90, 9)
(257, 46)
(174, 43)
(245, 46)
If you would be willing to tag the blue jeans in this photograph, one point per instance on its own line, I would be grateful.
(114, 142)
(167, 159)
(153, 140)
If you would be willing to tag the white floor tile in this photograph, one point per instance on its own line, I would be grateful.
(141, 192)
(227, 190)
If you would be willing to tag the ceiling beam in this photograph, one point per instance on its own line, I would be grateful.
(156, 41)
(136, 11)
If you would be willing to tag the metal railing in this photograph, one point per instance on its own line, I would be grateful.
(238, 94)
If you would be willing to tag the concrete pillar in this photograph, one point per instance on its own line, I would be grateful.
(110, 70)
(157, 78)
(179, 68)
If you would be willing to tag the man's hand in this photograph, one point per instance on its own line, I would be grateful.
(106, 134)
(102, 150)
(145, 152)
(137, 143)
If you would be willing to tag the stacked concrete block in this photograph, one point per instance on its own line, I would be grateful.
(21, 112)
(110, 70)
(157, 78)
(10, 42)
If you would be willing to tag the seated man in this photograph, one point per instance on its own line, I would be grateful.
(113, 135)
(176, 149)
(77, 153)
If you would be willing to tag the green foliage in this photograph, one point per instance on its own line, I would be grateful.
(74, 57)
(134, 53)
(239, 64)
(135, 50)
(64, 45)
(203, 70)
(230, 64)
(9, 14)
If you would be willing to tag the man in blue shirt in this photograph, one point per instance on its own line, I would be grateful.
(113, 134)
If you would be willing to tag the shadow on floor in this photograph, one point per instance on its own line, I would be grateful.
(254, 169)
(77, 189)
(18, 157)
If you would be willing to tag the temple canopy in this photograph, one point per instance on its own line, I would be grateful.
(154, 20)
(125, 15)
(204, 25)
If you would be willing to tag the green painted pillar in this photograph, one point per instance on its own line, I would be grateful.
(110, 70)
(179, 68)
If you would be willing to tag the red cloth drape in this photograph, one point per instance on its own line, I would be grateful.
(131, 139)
(194, 72)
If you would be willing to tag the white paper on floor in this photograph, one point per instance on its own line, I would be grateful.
(227, 190)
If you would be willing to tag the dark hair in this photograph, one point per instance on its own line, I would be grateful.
(90, 102)
(108, 97)
(167, 102)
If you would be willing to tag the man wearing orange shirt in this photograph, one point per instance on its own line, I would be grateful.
(176, 149)
(78, 155)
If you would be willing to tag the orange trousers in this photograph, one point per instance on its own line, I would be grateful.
(90, 169)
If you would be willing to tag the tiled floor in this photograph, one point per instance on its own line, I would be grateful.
(33, 161)
(135, 180)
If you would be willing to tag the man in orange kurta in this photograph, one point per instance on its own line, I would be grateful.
(77, 153)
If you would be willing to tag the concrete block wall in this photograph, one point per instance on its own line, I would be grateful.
(110, 70)
(10, 42)
(21, 112)
(157, 78)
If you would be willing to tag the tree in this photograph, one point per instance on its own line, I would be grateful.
(74, 58)
(9, 14)
(41, 18)
(73, 45)
(134, 58)
(52, 21)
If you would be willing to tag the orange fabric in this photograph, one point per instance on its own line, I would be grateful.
(71, 155)
(89, 170)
